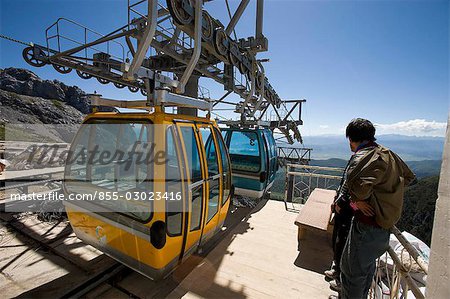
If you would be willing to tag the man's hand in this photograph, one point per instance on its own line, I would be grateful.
(365, 208)
(337, 208)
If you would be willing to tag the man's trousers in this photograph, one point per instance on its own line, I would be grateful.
(341, 229)
(365, 243)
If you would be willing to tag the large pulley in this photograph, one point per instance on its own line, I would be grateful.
(179, 9)
(221, 42)
(61, 69)
(84, 75)
(207, 27)
(33, 56)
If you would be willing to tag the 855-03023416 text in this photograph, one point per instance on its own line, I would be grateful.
(100, 195)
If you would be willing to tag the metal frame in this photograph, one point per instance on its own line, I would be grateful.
(197, 47)
(293, 155)
(160, 97)
(159, 40)
(309, 178)
(144, 41)
(397, 278)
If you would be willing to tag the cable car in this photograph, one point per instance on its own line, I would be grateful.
(253, 154)
(188, 178)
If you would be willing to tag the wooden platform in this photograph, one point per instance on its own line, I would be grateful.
(260, 259)
(43, 260)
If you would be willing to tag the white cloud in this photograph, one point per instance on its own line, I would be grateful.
(414, 127)
(324, 126)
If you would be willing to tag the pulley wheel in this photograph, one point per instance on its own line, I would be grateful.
(84, 75)
(118, 85)
(207, 27)
(133, 88)
(30, 56)
(102, 81)
(258, 81)
(219, 42)
(61, 69)
(233, 59)
(251, 65)
(242, 65)
(144, 91)
(178, 13)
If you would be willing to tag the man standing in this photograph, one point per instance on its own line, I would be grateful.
(343, 214)
(376, 180)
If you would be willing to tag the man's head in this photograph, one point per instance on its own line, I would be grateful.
(359, 130)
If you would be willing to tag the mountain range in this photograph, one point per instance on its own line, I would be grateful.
(409, 148)
(26, 98)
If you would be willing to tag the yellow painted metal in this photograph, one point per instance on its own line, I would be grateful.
(122, 243)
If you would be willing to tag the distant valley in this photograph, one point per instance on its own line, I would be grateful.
(410, 148)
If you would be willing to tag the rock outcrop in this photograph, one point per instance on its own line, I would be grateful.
(25, 82)
(29, 106)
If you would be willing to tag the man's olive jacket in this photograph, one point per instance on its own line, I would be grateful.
(380, 177)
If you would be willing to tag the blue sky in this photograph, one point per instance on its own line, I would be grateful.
(387, 61)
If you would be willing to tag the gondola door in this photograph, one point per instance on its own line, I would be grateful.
(213, 180)
(196, 186)
(226, 178)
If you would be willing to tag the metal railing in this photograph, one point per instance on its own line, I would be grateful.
(60, 37)
(301, 180)
(399, 273)
(402, 277)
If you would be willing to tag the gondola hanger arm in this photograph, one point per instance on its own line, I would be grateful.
(144, 41)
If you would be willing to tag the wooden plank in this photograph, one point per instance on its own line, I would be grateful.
(317, 212)
(10, 175)
(25, 265)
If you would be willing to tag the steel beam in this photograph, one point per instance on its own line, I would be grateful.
(236, 17)
(146, 40)
(222, 98)
(163, 96)
(259, 18)
(197, 46)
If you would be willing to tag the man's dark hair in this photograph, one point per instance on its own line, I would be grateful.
(360, 129)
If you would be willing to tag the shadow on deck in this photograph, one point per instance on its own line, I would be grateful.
(260, 258)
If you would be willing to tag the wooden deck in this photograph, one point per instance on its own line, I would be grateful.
(260, 259)
(257, 258)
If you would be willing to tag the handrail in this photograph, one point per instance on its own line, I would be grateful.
(398, 277)
(411, 249)
(405, 273)
(316, 167)
(306, 184)
(314, 175)
(86, 29)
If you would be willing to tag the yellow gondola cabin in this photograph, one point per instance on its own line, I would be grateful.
(188, 177)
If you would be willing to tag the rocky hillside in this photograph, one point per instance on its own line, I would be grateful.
(26, 98)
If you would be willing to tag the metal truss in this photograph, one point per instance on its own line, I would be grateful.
(162, 45)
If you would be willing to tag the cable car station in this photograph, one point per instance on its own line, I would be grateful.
(208, 226)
